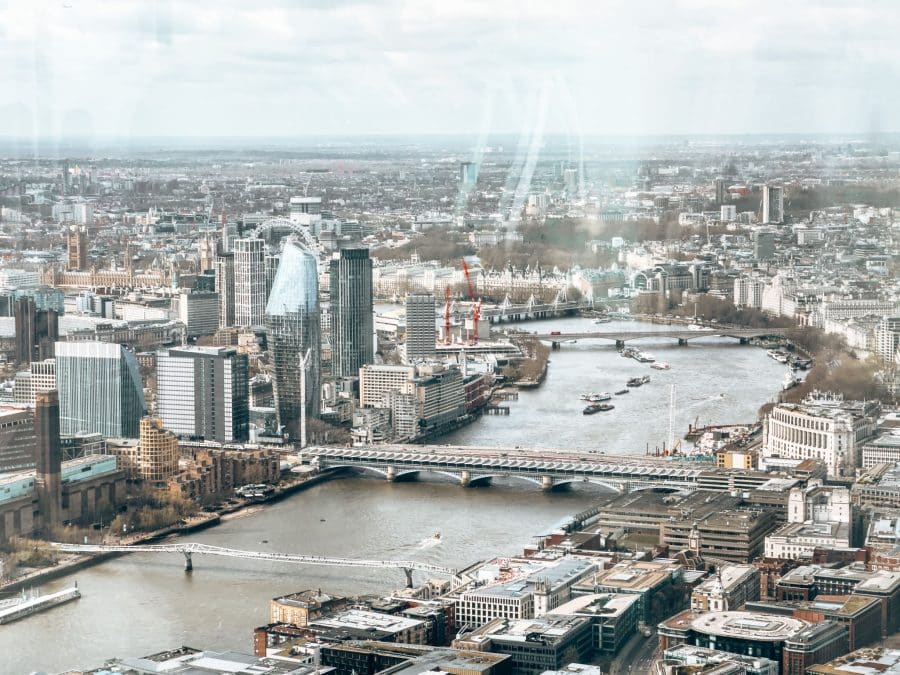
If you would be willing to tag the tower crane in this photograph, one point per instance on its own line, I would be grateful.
(448, 299)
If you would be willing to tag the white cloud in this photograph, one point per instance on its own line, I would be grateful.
(325, 67)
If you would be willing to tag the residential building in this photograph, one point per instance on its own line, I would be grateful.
(158, 455)
(292, 331)
(202, 392)
(225, 289)
(249, 282)
(100, 389)
(377, 380)
(40, 376)
(18, 440)
(772, 204)
(352, 320)
(763, 244)
(887, 339)
(421, 333)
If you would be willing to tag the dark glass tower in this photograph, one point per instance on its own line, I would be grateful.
(352, 323)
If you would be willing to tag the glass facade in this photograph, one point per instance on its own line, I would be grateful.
(292, 328)
(99, 389)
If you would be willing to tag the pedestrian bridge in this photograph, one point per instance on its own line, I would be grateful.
(477, 466)
(743, 335)
(188, 549)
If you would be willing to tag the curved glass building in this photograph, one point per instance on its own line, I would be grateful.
(292, 328)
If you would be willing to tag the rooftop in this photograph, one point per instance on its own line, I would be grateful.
(747, 625)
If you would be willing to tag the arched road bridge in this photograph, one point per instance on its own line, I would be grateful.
(188, 549)
(547, 469)
(621, 337)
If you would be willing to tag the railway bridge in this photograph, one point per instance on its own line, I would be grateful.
(477, 466)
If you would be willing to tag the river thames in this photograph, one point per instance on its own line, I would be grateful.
(141, 603)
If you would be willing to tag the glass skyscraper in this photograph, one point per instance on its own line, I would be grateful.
(352, 322)
(100, 389)
(292, 328)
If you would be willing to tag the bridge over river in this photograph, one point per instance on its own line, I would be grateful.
(547, 469)
(620, 337)
(188, 549)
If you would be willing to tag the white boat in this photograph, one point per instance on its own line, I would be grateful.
(660, 365)
(597, 398)
(790, 381)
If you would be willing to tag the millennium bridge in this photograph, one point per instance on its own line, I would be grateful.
(477, 466)
(188, 549)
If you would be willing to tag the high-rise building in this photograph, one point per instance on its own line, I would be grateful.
(720, 190)
(225, 289)
(468, 174)
(307, 211)
(36, 331)
(887, 339)
(158, 454)
(773, 204)
(249, 282)
(100, 389)
(207, 247)
(271, 270)
(48, 464)
(199, 312)
(77, 247)
(40, 376)
(352, 321)
(202, 392)
(421, 333)
(763, 244)
(570, 178)
(292, 330)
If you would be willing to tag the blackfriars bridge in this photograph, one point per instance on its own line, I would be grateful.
(188, 549)
(477, 466)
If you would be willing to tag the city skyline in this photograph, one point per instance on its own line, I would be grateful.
(354, 68)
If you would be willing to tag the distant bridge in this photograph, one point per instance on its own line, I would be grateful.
(621, 337)
(547, 469)
(188, 549)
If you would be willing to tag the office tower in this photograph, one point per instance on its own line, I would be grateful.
(36, 331)
(352, 322)
(48, 463)
(199, 312)
(720, 191)
(158, 454)
(77, 247)
(773, 204)
(420, 327)
(99, 389)
(65, 176)
(202, 392)
(292, 330)
(225, 289)
(763, 244)
(249, 282)
(18, 441)
(468, 174)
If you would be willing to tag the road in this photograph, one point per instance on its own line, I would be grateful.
(637, 656)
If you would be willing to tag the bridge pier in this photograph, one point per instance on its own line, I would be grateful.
(188, 562)
(554, 345)
(465, 478)
(546, 482)
(409, 577)
(744, 341)
(620, 344)
(391, 474)
(682, 342)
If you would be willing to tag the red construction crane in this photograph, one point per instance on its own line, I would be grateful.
(476, 306)
(448, 297)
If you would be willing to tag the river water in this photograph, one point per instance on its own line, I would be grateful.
(141, 603)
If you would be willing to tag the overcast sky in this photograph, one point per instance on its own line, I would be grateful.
(326, 67)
